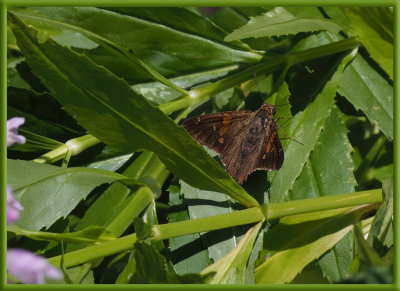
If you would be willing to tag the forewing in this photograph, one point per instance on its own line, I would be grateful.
(215, 130)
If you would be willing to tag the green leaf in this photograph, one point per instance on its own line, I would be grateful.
(232, 267)
(113, 48)
(205, 204)
(152, 268)
(299, 239)
(48, 192)
(184, 42)
(329, 171)
(187, 253)
(374, 26)
(335, 264)
(279, 22)
(306, 127)
(122, 119)
(81, 274)
(369, 92)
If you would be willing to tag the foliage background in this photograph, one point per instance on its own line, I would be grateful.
(104, 71)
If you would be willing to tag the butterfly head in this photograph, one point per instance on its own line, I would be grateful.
(268, 108)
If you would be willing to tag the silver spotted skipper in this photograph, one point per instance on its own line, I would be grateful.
(245, 140)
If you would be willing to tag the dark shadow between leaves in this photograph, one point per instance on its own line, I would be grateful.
(206, 240)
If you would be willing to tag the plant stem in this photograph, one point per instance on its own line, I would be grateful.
(242, 217)
(277, 210)
(134, 205)
(94, 252)
(74, 146)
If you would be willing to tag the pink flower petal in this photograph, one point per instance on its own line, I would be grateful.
(30, 268)
(12, 131)
(13, 207)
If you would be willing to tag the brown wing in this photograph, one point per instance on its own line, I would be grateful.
(215, 130)
(272, 157)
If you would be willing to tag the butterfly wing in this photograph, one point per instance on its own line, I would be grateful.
(216, 130)
(272, 156)
(257, 147)
(245, 140)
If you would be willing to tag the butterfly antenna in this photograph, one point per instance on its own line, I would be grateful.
(255, 80)
(284, 133)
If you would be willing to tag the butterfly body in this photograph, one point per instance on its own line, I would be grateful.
(246, 141)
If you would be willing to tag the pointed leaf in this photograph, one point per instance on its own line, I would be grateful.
(49, 192)
(279, 22)
(298, 240)
(306, 127)
(232, 267)
(374, 26)
(369, 92)
(110, 110)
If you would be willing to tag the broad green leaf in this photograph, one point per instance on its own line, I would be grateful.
(374, 27)
(111, 111)
(90, 235)
(335, 264)
(81, 274)
(174, 46)
(187, 253)
(298, 240)
(113, 48)
(110, 164)
(329, 171)
(152, 268)
(118, 205)
(179, 18)
(279, 22)
(369, 92)
(232, 267)
(48, 192)
(207, 203)
(306, 127)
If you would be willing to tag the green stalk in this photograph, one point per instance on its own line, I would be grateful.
(242, 217)
(74, 146)
(134, 205)
(91, 253)
(277, 210)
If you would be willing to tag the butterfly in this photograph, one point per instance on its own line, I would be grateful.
(245, 140)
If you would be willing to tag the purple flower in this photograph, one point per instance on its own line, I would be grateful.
(12, 134)
(13, 207)
(30, 268)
